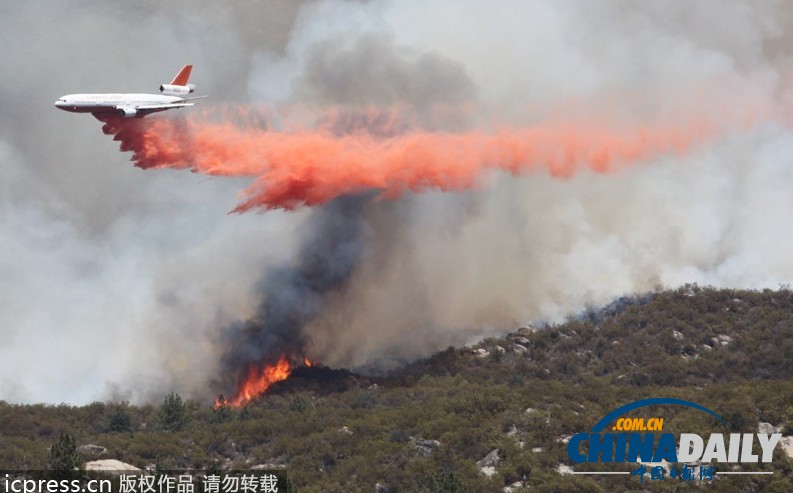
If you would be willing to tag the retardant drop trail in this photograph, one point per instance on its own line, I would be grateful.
(312, 167)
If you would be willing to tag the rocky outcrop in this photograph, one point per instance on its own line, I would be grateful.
(481, 352)
(564, 469)
(425, 447)
(785, 443)
(768, 428)
(721, 339)
(90, 449)
(110, 465)
(488, 464)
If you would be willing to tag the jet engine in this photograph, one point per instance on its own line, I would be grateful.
(174, 90)
(127, 112)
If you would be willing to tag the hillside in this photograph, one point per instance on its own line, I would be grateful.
(424, 427)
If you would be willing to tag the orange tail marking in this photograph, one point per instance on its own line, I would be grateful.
(183, 75)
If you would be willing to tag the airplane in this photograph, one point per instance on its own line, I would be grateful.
(104, 106)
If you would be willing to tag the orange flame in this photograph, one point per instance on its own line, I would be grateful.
(259, 380)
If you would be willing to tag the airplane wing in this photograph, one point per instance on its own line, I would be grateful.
(130, 111)
(166, 106)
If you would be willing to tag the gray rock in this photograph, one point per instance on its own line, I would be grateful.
(425, 447)
(267, 467)
(109, 465)
(90, 449)
(490, 460)
(564, 469)
(767, 428)
(517, 485)
(786, 443)
(481, 352)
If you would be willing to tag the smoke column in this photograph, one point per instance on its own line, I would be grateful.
(292, 296)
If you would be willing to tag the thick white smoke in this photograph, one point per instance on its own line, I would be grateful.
(536, 247)
(115, 282)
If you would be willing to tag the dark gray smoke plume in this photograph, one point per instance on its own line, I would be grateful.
(293, 296)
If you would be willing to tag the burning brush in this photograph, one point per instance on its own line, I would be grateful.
(259, 379)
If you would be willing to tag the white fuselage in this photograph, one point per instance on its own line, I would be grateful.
(106, 106)
(110, 103)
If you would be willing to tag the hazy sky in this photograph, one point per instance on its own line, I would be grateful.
(118, 283)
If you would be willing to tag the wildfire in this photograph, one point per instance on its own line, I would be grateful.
(258, 380)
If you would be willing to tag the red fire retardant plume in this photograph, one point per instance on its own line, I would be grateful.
(292, 169)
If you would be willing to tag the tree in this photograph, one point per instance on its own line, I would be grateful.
(172, 413)
(222, 412)
(120, 419)
(63, 455)
(445, 483)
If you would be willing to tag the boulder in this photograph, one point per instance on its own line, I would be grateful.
(767, 428)
(564, 469)
(487, 465)
(267, 467)
(527, 329)
(488, 471)
(786, 443)
(517, 485)
(110, 465)
(425, 447)
(490, 460)
(90, 449)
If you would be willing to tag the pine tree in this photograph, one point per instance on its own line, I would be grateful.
(120, 420)
(64, 458)
(172, 413)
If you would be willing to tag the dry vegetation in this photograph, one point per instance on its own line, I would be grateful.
(731, 351)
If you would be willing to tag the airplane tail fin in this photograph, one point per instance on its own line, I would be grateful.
(182, 77)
